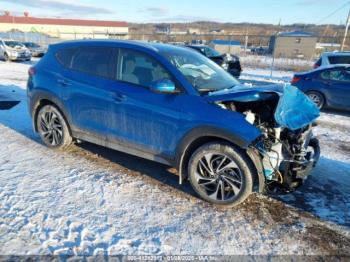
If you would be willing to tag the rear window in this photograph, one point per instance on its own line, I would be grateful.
(339, 59)
(64, 56)
(319, 62)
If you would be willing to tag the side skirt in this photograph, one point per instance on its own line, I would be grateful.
(129, 149)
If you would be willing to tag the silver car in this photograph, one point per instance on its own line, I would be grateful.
(35, 49)
(12, 50)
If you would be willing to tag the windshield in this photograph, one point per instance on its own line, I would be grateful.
(31, 45)
(211, 52)
(13, 44)
(201, 72)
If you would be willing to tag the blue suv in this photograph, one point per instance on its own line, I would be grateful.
(171, 105)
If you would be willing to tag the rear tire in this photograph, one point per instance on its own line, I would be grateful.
(317, 98)
(53, 128)
(221, 174)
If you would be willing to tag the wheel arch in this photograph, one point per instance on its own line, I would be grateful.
(198, 137)
(40, 103)
(319, 92)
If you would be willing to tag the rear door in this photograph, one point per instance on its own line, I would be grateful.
(85, 83)
(338, 86)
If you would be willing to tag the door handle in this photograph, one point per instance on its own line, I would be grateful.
(63, 82)
(119, 98)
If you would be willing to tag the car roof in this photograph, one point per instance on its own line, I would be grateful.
(200, 45)
(322, 68)
(336, 53)
(156, 47)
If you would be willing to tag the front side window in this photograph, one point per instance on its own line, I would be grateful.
(96, 61)
(200, 71)
(140, 69)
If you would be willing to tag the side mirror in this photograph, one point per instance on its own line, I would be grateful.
(163, 86)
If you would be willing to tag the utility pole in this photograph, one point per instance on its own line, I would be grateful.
(346, 31)
(246, 42)
(274, 47)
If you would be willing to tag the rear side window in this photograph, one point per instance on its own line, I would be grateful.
(336, 75)
(96, 61)
(339, 60)
(64, 56)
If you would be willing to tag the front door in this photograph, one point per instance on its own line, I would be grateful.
(141, 117)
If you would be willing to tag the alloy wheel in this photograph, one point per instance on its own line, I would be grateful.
(219, 177)
(316, 99)
(51, 128)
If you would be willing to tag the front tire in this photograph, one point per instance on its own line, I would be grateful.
(53, 128)
(317, 98)
(6, 57)
(221, 174)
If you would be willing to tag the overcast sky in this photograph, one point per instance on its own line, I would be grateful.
(254, 11)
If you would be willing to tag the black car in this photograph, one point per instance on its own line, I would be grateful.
(229, 62)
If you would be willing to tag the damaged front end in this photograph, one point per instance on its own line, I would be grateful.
(285, 116)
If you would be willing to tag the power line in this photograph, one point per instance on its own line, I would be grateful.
(334, 12)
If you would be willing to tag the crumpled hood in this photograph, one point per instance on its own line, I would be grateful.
(244, 93)
(294, 109)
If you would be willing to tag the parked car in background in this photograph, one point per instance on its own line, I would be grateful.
(12, 50)
(229, 62)
(259, 50)
(332, 58)
(172, 105)
(327, 87)
(35, 49)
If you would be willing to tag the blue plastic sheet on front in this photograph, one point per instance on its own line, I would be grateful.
(295, 110)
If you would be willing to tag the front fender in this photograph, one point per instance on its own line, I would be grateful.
(212, 133)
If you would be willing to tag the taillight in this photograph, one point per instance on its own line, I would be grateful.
(295, 80)
(316, 66)
(31, 71)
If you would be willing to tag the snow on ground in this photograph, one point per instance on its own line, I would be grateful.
(91, 200)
